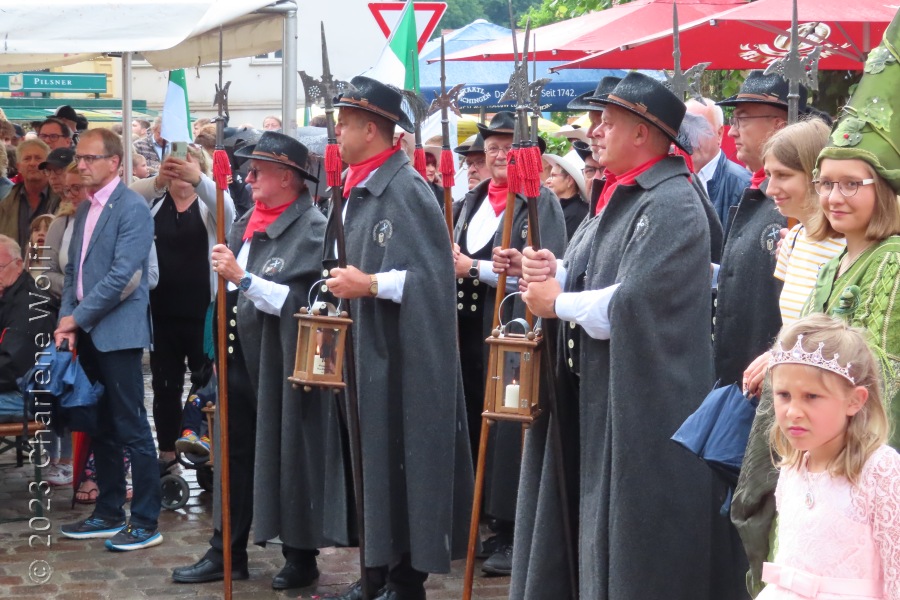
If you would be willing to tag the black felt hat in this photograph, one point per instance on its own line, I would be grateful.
(59, 158)
(589, 100)
(474, 144)
(502, 123)
(760, 88)
(650, 100)
(66, 112)
(377, 98)
(582, 149)
(279, 148)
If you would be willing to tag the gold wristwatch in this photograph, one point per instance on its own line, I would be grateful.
(373, 285)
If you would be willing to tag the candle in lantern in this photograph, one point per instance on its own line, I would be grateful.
(511, 400)
(318, 363)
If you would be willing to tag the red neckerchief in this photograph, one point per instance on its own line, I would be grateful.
(628, 178)
(497, 196)
(757, 179)
(262, 217)
(357, 173)
(688, 159)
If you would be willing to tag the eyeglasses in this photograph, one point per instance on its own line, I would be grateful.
(738, 122)
(52, 137)
(255, 171)
(589, 172)
(89, 159)
(495, 150)
(848, 189)
(6, 264)
(477, 163)
(73, 189)
(553, 175)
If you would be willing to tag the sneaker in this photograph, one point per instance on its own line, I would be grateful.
(189, 443)
(134, 538)
(59, 475)
(92, 527)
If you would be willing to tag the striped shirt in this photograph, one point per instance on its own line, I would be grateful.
(798, 266)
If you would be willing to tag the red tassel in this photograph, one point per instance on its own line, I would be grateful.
(447, 169)
(333, 165)
(513, 180)
(221, 169)
(419, 162)
(531, 171)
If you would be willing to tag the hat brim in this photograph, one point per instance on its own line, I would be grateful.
(672, 137)
(573, 172)
(403, 122)
(734, 101)
(51, 164)
(487, 132)
(247, 152)
(584, 101)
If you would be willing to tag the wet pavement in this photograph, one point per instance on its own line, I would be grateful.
(38, 566)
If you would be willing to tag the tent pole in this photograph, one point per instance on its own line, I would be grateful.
(289, 75)
(126, 114)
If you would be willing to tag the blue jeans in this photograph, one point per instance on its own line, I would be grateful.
(122, 423)
(11, 407)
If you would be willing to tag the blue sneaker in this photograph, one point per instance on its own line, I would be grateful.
(92, 527)
(134, 538)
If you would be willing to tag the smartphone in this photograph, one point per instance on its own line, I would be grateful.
(179, 150)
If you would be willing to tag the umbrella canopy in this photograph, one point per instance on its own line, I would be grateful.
(574, 38)
(754, 35)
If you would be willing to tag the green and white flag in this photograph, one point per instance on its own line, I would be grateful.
(176, 116)
(398, 63)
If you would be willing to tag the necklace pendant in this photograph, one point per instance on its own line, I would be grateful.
(810, 500)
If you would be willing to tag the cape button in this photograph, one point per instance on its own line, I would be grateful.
(474, 296)
(475, 282)
(571, 363)
(230, 350)
(474, 308)
(571, 324)
(233, 323)
(460, 294)
(571, 343)
(459, 306)
(459, 281)
(231, 336)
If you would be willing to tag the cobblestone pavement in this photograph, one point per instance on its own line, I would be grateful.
(84, 570)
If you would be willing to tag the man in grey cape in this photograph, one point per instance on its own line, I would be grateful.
(417, 468)
(645, 510)
(287, 474)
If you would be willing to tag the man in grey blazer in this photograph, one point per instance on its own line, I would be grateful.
(110, 328)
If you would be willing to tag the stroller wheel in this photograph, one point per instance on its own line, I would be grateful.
(175, 491)
(205, 478)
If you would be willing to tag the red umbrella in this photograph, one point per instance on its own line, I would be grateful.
(610, 28)
(754, 35)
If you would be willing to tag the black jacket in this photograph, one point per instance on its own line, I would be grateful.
(27, 320)
(726, 186)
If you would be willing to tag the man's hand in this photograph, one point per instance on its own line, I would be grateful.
(508, 260)
(541, 298)
(224, 264)
(348, 283)
(538, 265)
(461, 262)
(67, 329)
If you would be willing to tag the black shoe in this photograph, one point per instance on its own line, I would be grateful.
(295, 575)
(493, 544)
(500, 562)
(355, 592)
(387, 593)
(205, 570)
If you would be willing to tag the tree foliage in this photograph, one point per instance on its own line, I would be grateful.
(552, 11)
(462, 12)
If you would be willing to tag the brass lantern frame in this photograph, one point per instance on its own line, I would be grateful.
(321, 341)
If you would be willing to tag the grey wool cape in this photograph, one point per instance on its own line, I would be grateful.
(505, 442)
(645, 509)
(299, 491)
(417, 466)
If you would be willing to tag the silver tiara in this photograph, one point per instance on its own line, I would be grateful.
(798, 356)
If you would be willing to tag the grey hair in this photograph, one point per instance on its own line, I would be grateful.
(718, 116)
(12, 246)
(693, 129)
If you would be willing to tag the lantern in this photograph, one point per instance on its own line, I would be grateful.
(514, 374)
(321, 336)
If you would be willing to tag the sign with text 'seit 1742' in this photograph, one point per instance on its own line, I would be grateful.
(90, 83)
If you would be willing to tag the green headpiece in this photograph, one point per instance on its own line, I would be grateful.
(869, 128)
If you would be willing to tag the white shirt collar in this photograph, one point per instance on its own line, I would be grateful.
(709, 170)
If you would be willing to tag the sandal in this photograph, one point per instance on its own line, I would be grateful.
(87, 492)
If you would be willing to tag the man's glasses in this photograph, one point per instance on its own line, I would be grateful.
(495, 150)
(738, 122)
(52, 137)
(848, 189)
(89, 159)
(73, 190)
(255, 171)
(477, 163)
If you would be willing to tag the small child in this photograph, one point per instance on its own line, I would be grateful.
(194, 441)
(838, 494)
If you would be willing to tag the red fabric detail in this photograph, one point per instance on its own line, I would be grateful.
(419, 162)
(688, 160)
(497, 196)
(357, 173)
(533, 169)
(627, 178)
(262, 217)
(757, 179)
(18, 178)
(221, 169)
(513, 174)
(448, 170)
(333, 165)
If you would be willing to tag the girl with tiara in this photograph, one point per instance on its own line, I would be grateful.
(838, 493)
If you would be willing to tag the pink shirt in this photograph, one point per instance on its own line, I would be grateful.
(98, 201)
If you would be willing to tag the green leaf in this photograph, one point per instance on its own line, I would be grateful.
(878, 112)
(848, 132)
(878, 59)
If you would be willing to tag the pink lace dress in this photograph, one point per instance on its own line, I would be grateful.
(844, 544)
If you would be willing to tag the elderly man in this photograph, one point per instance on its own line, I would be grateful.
(55, 133)
(32, 197)
(645, 505)
(271, 263)
(152, 146)
(723, 179)
(472, 151)
(478, 232)
(417, 469)
(26, 330)
(111, 241)
(56, 164)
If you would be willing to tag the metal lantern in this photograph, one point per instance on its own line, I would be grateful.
(514, 371)
(321, 336)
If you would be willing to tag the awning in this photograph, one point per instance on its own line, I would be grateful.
(100, 115)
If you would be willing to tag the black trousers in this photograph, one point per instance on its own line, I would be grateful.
(402, 578)
(174, 340)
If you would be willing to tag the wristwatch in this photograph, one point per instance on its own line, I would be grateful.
(244, 283)
(473, 270)
(373, 285)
